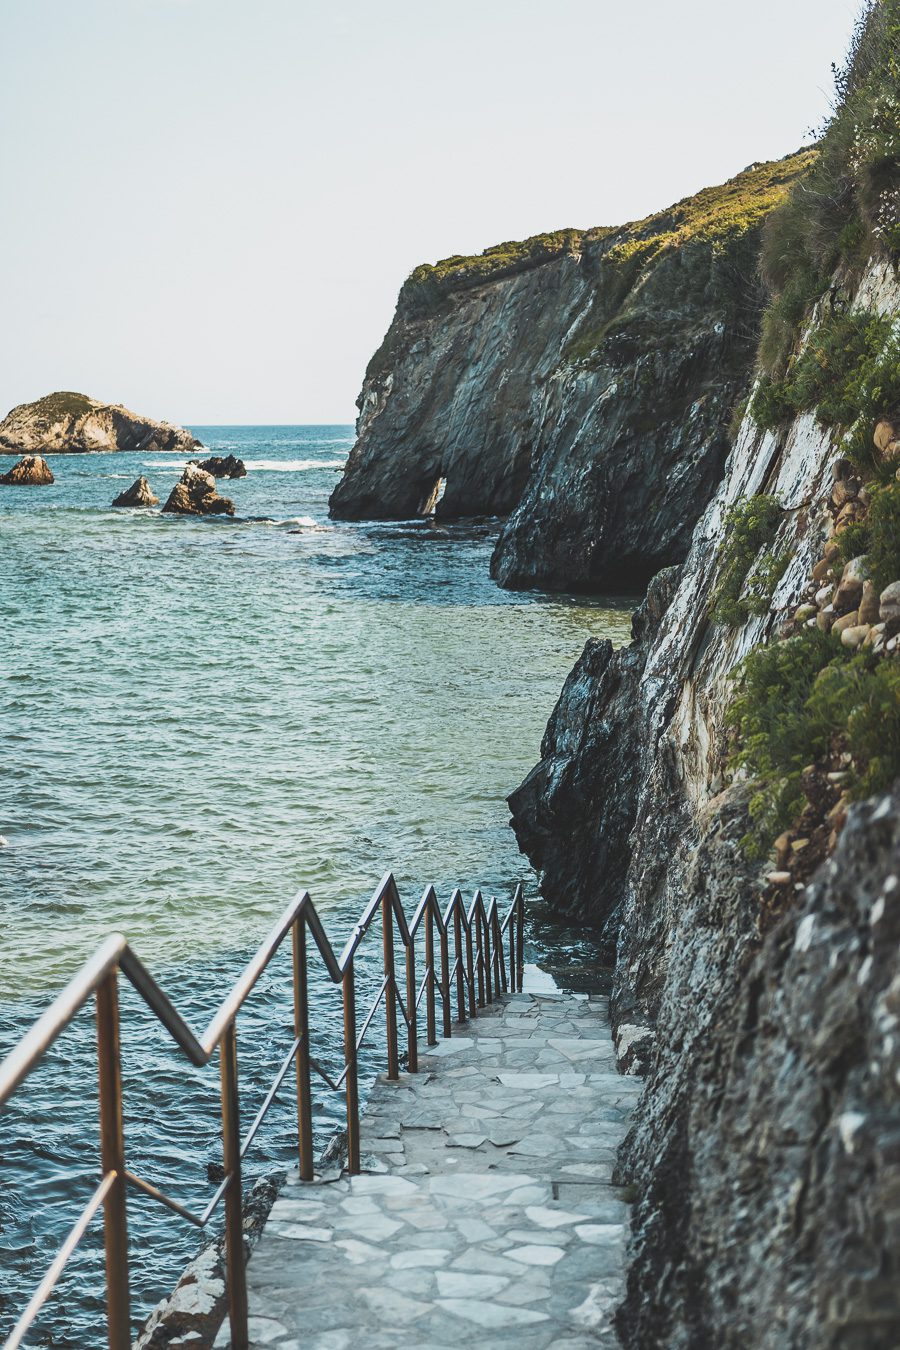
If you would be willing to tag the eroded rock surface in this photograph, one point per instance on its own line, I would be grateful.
(68, 423)
(139, 494)
(31, 471)
(195, 495)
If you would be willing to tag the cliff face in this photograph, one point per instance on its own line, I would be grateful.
(580, 383)
(68, 424)
(764, 1151)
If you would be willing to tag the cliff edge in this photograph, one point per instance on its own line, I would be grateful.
(580, 384)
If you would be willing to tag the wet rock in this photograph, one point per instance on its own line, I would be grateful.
(68, 423)
(139, 494)
(195, 495)
(31, 471)
(222, 466)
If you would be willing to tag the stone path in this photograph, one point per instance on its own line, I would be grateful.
(485, 1213)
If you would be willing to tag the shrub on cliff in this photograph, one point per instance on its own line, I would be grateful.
(747, 579)
(797, 700)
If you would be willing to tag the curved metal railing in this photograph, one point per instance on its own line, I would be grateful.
(488, 960)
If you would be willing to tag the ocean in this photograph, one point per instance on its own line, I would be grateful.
(199, 719)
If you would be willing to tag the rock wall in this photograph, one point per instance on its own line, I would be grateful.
(66, 424)
(765, 1149)
(582, 388)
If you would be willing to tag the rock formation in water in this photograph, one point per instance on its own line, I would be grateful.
(580, 383)
(222, 466)
(68, 424)
(30, 471)
(724, 797)
(195, 495)
(139, 494)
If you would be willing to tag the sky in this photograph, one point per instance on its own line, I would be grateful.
(208, 206)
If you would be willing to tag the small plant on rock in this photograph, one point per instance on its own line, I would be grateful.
(747, 581)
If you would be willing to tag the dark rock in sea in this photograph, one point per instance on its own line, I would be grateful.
(139, 494)
(222, 466)
(31, 471)
(581, 383)
(593, 758)
(195, 495)
(68, 424)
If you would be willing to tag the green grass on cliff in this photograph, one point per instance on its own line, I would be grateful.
(717, 216)
(429, 284)
(63, 404)
(847, 207)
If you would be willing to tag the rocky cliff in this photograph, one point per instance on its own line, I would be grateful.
(580, 384)
(68, 424)
(722, 796)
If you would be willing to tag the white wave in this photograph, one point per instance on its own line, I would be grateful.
(306, 521)
(293, 465)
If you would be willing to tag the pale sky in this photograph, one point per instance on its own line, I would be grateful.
(209, 205)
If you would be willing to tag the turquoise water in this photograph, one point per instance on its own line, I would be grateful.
(201, 717)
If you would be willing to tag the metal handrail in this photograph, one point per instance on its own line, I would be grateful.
(480, 971)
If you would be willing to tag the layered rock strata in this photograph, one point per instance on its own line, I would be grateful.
(68, 423)
(581, 384)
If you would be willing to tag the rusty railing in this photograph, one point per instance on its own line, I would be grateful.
(488, 956)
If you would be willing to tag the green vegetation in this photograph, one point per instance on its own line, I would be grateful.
(883, 526)
(429, 284)
(799, 699)
(830, 375)
(717, 216)
(63, 404)
(747, 580)
(846, 207)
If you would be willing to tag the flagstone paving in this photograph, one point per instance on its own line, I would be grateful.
(485, 1212)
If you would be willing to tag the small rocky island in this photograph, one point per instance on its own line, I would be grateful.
(71, 424)
(195, 495)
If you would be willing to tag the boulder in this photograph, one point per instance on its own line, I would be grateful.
(845, 490)
(889, 607)
(868, 605)
(848, 593)
(139, 494)
(222, 466)
(846, 621)
(195, 495)
(850, 513)
(31, 471)
(855, 635)
(68, 423)
(885, 433)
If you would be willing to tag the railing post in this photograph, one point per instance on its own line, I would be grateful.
(352, 1079)
(460, 975)
(112, 1153)
(412, 1029)
(470, 971)
(390, 993)
(445, 980)
(520, 936)
(236, 1275)
(486, 950)
(499, 959)
(430, 1026)
(301, 1059)
(512, 949)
